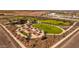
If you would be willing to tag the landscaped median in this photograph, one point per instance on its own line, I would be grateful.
(48, 28)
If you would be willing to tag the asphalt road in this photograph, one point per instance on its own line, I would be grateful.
(6, 41)
(73, 42)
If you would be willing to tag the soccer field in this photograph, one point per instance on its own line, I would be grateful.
(49, 29)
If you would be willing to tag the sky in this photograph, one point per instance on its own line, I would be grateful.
(39, 4)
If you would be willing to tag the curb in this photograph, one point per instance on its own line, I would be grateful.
(12, 36)
(62, 40)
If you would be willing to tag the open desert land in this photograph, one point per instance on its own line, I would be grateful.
(23, 12)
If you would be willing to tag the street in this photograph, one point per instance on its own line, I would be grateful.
(73, 42)
(6, 41)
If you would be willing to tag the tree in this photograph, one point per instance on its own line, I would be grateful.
(45, 36)
(34, 21)
(29, 36)
(54, 36)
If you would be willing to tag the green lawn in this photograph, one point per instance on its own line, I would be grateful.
(47, 28)
(48, 21)
(55, 22)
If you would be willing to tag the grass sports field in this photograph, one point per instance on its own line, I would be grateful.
(49, 29)
(48, 21)
(55, 22)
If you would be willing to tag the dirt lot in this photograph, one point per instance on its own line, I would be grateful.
(23, 12)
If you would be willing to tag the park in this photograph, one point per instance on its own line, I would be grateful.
(37, 31)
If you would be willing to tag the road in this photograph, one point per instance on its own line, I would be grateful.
(73, 42)
(6, 41)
